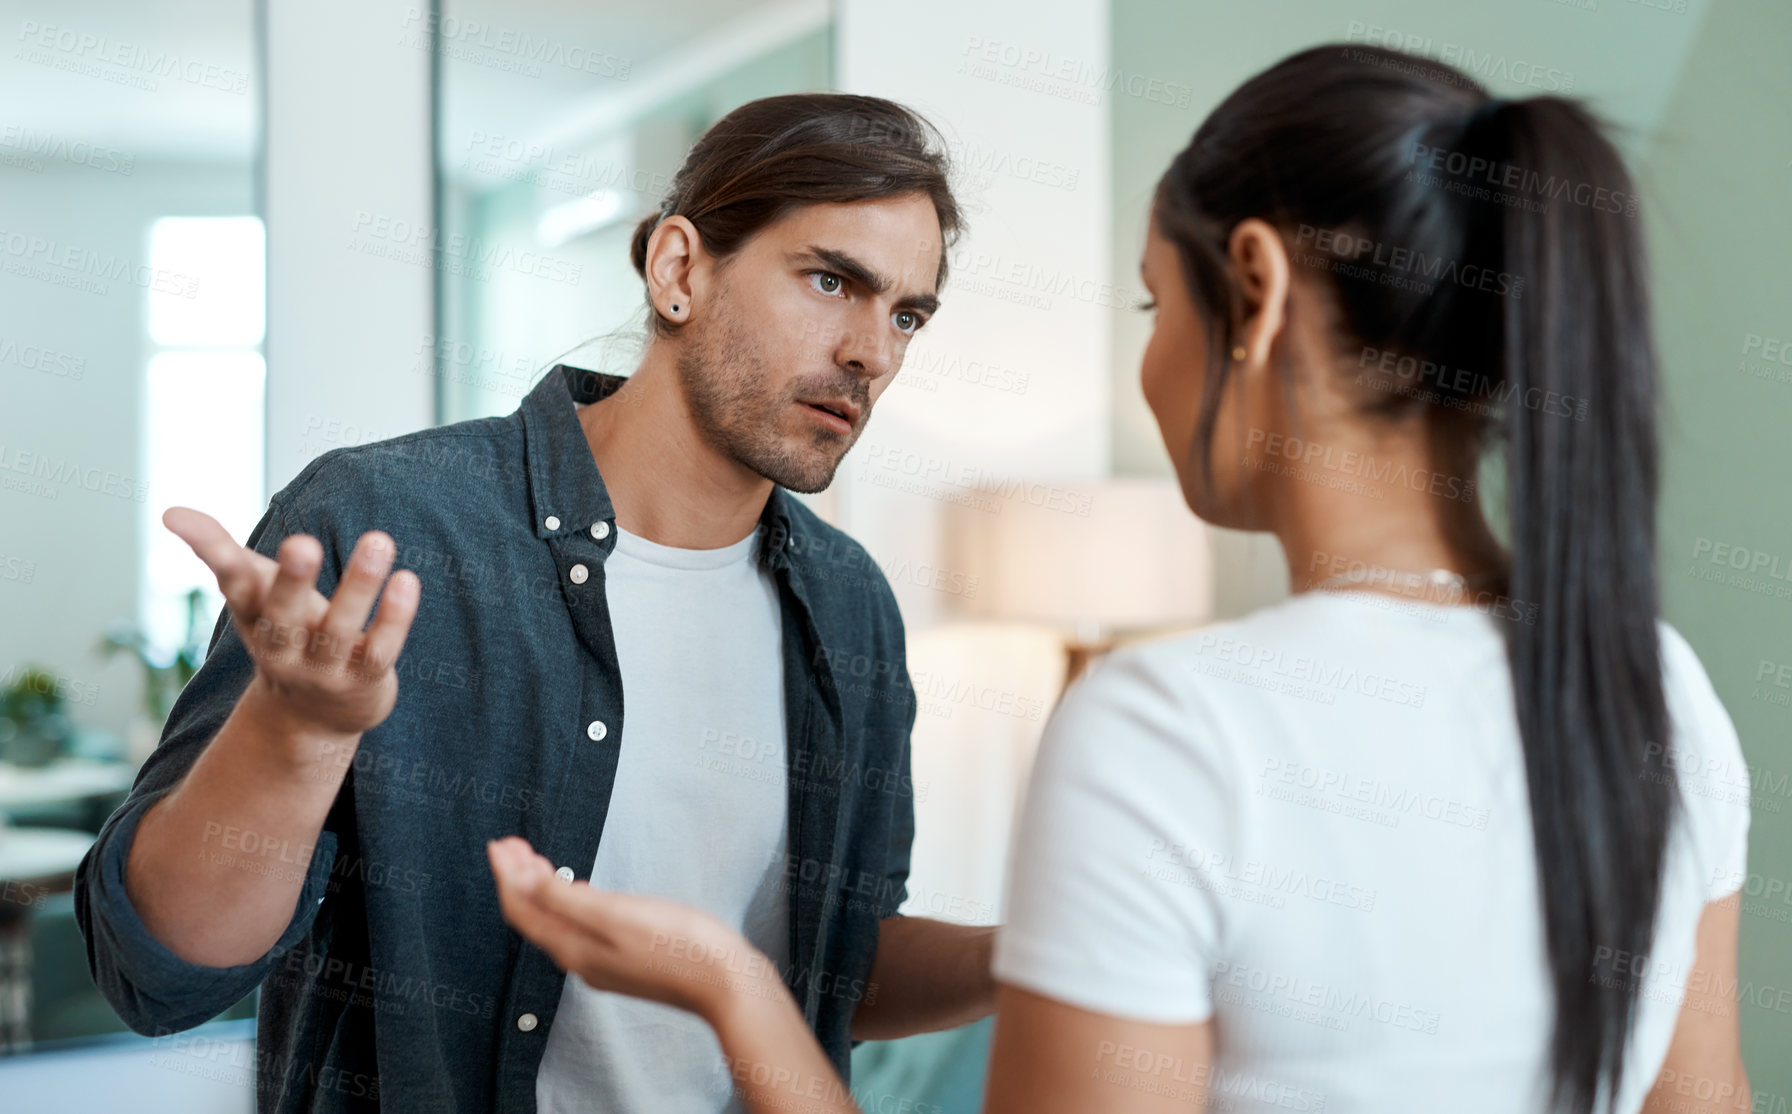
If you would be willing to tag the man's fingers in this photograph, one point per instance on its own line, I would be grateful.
(290, 606)
(392, 624)
(242, 573)
(354, 595)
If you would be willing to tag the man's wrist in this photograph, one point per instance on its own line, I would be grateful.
(305, 750)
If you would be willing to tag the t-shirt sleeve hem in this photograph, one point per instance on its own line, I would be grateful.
(1163, 1000)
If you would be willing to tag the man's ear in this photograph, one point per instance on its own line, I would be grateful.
(674, 256)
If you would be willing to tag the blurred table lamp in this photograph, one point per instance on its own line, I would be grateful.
(1114, 557)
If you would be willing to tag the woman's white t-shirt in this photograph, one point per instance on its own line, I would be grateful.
(1311, 825)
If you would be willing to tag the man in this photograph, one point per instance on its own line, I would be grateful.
(616, 622)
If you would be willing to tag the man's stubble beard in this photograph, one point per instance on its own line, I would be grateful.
(724, 379)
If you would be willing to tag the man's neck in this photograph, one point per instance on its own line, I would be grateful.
(666, 482)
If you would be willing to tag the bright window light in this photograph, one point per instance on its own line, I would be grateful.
(205, 440)
(204, 409)
(207, 282)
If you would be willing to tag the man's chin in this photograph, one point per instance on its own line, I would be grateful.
(808, 470)
(806, 481)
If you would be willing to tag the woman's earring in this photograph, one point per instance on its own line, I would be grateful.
(674, 307)
(1238, 352)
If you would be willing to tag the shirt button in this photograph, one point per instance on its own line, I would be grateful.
(600, 530)
(579, 574)
(526, 1022)
(552, 523)
(564, 874)
(597, 730)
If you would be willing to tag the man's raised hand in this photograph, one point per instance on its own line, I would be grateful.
(317, 668)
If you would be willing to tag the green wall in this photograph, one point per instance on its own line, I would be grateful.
(1703, 101)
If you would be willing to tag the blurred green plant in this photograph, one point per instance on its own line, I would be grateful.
(33, 728)
(162, 680)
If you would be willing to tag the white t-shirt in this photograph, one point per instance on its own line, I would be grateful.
(1311, 825)
(698, 812)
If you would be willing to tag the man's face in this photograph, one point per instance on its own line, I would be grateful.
(812, 314)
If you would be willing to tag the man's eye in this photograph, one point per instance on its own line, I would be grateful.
(827, 282)
(906, 320)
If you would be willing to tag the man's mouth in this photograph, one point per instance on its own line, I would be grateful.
(839, 413)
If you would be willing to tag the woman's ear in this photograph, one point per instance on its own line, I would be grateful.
(674, 251)
(1260, 262)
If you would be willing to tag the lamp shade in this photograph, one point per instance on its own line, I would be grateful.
(1121, 554)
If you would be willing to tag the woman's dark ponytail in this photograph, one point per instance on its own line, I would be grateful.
(1517, 263)
(1579, 369)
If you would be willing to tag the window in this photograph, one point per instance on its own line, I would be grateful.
(204, 405)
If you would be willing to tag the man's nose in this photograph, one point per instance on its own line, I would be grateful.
(865, 347)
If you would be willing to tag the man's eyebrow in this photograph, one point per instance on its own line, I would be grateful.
(872, 280)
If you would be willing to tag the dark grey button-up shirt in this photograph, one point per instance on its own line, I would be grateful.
(398, 985)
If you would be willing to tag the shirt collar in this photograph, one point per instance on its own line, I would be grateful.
(566, 491)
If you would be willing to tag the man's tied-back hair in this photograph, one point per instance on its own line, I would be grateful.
(773, 155)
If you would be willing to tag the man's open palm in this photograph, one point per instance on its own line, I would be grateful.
(311, 653)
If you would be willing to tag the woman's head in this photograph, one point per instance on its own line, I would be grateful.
(1365, 255)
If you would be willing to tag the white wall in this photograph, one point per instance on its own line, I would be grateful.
(350, 227)
(69, 557)
(1009, 382)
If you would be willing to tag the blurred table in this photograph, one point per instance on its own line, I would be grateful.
(64, 781)
(34, 863)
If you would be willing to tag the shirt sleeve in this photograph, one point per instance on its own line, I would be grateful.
(1706, 758)
(1111, 897)
(153, 990)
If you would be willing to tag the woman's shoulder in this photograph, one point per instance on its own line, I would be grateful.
(1160, 703)
(1704, 755)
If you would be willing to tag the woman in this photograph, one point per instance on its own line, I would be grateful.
(1425, 836)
